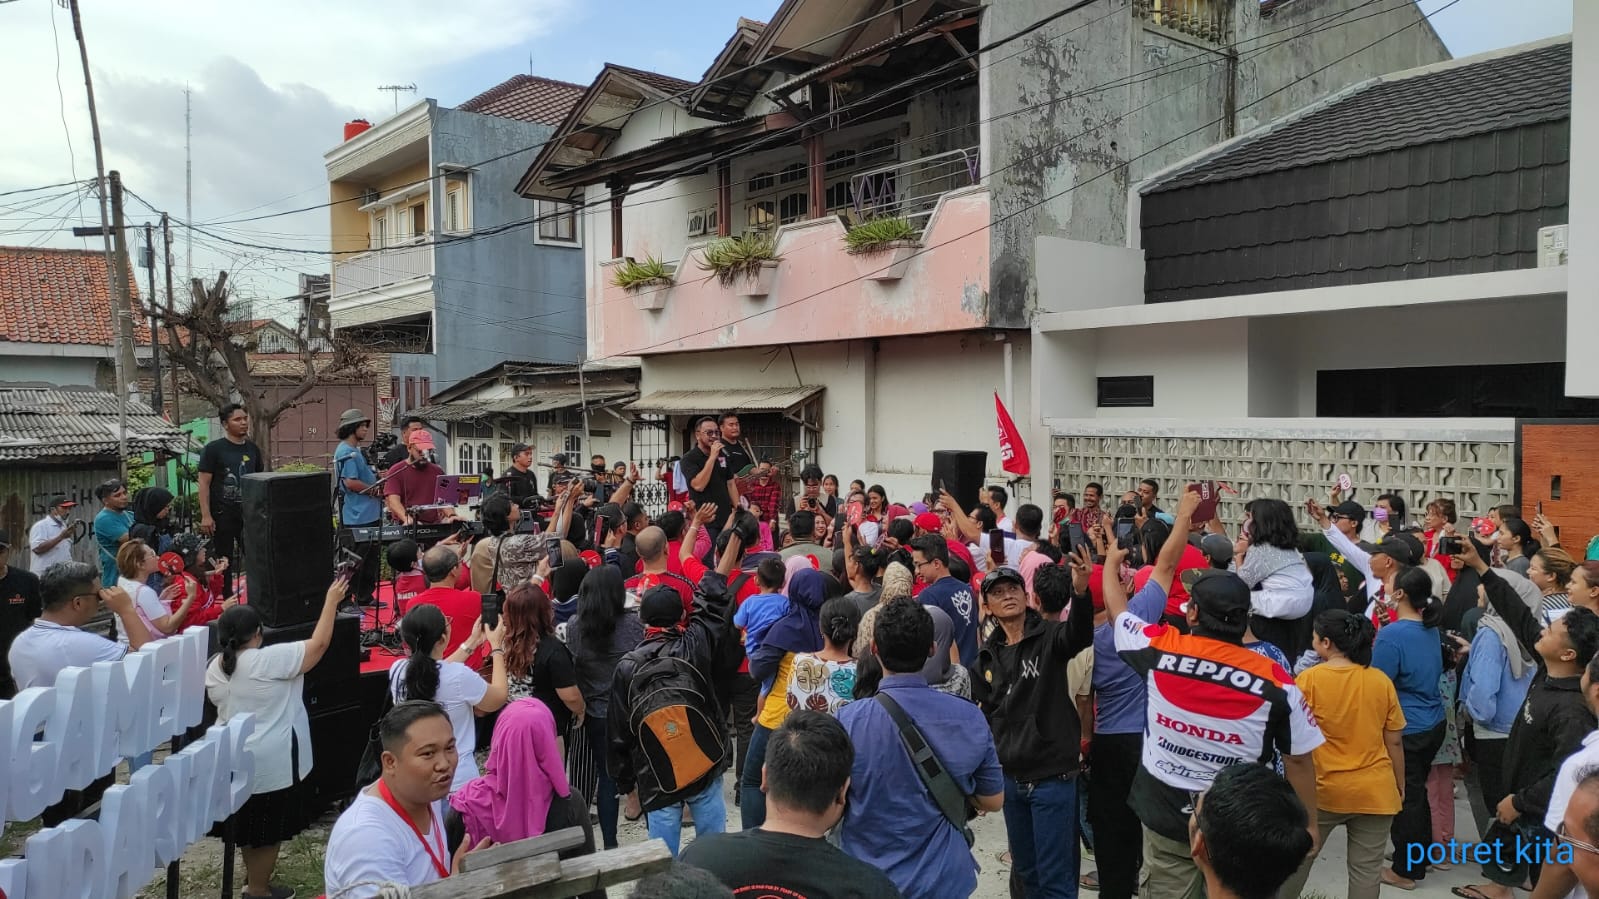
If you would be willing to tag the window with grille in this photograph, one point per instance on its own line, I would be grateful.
(573, 446)
(793, 208)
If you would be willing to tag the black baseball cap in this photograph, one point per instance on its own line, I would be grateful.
(1001, 574)
(559, 458)
(518, 449)
(1349, 509)
(1221, 595)
(5, 539)
(1402, 548)
(661, 606)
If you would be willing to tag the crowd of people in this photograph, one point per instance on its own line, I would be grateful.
(1200, 702)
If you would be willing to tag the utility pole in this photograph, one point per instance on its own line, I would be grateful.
(188, 197)
(156, 401)
(177, 398)
(113, 275)
(124, 298)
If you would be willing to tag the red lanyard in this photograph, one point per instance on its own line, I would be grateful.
(436, 858)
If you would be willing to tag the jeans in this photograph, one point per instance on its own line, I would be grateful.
(1413, 824)
(1119, 837)
(708, 808)
(751, 801)
(1041, 823)
(605, 799)
(226, 544)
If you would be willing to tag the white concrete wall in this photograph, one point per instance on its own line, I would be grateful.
(1079, 274)
(1582, 312)
(886, 409)
(62, 371)
(1201, 369)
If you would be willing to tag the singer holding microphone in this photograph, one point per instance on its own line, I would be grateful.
(414, 482)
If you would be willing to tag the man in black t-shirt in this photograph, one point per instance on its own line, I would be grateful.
(521, 481)
(710, 476)
(740, 455)
(19, 606)
(805, 778)
(401, 451)
(223, 464)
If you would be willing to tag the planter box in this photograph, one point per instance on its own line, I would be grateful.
(761, 284)
(650, 295)
(887, 262)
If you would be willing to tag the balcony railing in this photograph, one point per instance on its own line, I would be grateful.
(1204, 19)
(376, 270)
(911, 189)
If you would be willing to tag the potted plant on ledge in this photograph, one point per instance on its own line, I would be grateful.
(747, 263)
(883, 247)
(647, 281)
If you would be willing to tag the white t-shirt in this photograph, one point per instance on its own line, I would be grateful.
(268, 684)
(39, 653)
(44, 529)
(371, 842)
(460, 688)
(147, 604)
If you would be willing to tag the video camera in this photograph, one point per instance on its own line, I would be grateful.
(379, 447)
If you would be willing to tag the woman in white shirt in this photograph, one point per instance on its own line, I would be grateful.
(136, 561)
(267, 682)
(426, 674)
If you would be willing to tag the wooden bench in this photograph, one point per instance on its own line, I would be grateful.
(529, 869)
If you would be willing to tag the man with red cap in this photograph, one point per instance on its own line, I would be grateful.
(415, 482)
(49, 540)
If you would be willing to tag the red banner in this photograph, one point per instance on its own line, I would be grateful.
(1012, 451)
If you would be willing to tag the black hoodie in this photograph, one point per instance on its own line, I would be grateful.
(1022, 689)
(1553, 720)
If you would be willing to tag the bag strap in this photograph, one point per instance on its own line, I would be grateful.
(949, 797)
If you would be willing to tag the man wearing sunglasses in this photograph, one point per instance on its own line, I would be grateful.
(71, 594)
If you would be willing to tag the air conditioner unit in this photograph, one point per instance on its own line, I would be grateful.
(1552, 246)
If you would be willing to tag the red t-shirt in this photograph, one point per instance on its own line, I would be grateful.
(416, 487)
(1193, 557)
(461, 608)
(641, 583)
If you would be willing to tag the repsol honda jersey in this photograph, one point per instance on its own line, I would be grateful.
(1211, 704)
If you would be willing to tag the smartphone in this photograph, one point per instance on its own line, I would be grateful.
(1124, 529)
(492, 603)
(745, 471)
(1449, 546)
(1538, 508)
(552, 548)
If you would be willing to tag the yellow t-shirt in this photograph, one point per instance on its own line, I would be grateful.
(775, 708)
(1354, 705)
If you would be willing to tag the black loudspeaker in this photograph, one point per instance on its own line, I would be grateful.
(288, 544)
(961, 473)
(339, 723)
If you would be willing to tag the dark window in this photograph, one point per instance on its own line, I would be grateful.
(791, 173)
(1133, 390)
(410, 393)
(424, 391)
(1531, 390)
(761, 181)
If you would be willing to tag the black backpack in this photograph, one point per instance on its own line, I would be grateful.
(672, 712)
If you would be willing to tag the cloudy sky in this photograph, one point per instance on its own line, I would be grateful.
(272, 84)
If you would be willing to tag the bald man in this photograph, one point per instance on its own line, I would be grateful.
(442, 566)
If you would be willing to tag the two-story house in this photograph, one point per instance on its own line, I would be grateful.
(437, 261)
(1375, 285)
(969, 129)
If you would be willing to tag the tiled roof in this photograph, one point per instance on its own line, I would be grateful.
(58, 296)
(527, 98)
(1493, 94)
(44, 423)
(666, 84)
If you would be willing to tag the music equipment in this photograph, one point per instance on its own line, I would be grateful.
(334, 703)
(288, 543)
(458, 489)
(421, 533)
(961, 473)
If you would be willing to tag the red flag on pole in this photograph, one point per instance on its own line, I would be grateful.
(1012, 451)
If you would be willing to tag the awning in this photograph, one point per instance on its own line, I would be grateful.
(538, 401)
(754, 399)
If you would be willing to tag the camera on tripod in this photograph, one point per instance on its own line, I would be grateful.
(379, 447)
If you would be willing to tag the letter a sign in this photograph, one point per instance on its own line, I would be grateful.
(1012, 452)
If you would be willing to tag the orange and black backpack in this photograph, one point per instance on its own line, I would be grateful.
(672, 712)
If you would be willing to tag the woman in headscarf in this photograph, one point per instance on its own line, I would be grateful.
(523, 791)
(798, 631)
(150, 507)
(943, 671)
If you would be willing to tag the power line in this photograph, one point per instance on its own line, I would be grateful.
(1031, 206)
(1189, 63)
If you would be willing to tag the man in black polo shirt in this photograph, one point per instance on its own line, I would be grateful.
(521, 481)
(19, 606)
(710, 475)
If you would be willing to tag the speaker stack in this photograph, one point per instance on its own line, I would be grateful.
(961, 473)
(288, 551)
(288, 544)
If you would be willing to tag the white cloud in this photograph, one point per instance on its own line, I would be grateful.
(271, 82)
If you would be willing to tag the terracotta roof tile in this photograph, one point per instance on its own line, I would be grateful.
(666, 84)
(58, 296)
(527, 98)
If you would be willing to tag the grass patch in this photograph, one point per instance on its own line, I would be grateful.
(16, 835)
(200, 874)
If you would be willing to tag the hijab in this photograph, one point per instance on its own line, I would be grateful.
(524, 773)
(148, 503)
(793, 565)
(897, 582)
(936, 671)
(1324, 580)
(799, 630)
